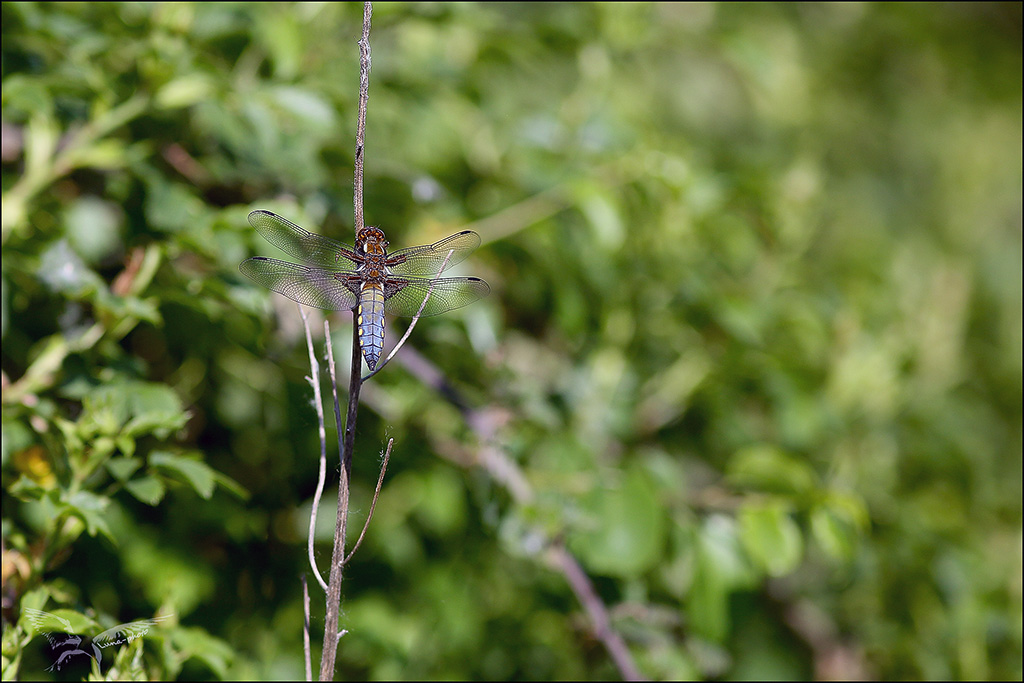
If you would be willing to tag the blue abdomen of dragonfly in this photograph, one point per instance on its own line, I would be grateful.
(371, 323)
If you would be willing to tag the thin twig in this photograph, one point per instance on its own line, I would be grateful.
(373, 504)
(415, 318)
(581, 585)
(547, 203)
(331, 635)
(314, 380)
(522, 214)
(505, 471)
(334, 385)
(305, 629)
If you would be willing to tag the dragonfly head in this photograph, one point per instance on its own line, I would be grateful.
(372, 241)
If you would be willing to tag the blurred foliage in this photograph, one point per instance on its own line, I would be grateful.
(754, 343)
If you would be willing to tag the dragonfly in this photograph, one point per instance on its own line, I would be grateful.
(366, 278)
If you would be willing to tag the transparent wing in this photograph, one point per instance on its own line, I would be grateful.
(311, 248)
(426, 260)
(404, 296)
(314, 287)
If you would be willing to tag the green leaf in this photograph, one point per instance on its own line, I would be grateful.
(184, 91)
(837, 524)
(132, 409)
(626, 529)
(153, 398)
(107, 154)
(766, 468)
(708, 599)
(54, 620)
(122, 468)
(720, 568)
(125, 661)
(126, 444)
(90, 508)
(197, 643)
(156, 409)
(307, 105)
(148, 489)
(12, 650)
(231, 486)
(281, 34)
(64, 272)
(770, 536)
(172, 208)
(26, 488)
(16, 437)
(26, 94)
(708, 604)
(41, 136)
(147, 309)
(198, 474)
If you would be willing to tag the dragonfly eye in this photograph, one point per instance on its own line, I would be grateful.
(372, 239)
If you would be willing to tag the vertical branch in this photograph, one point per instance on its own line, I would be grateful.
(331, 634)
(364, 96)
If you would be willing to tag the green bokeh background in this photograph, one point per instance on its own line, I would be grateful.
(752, 353)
